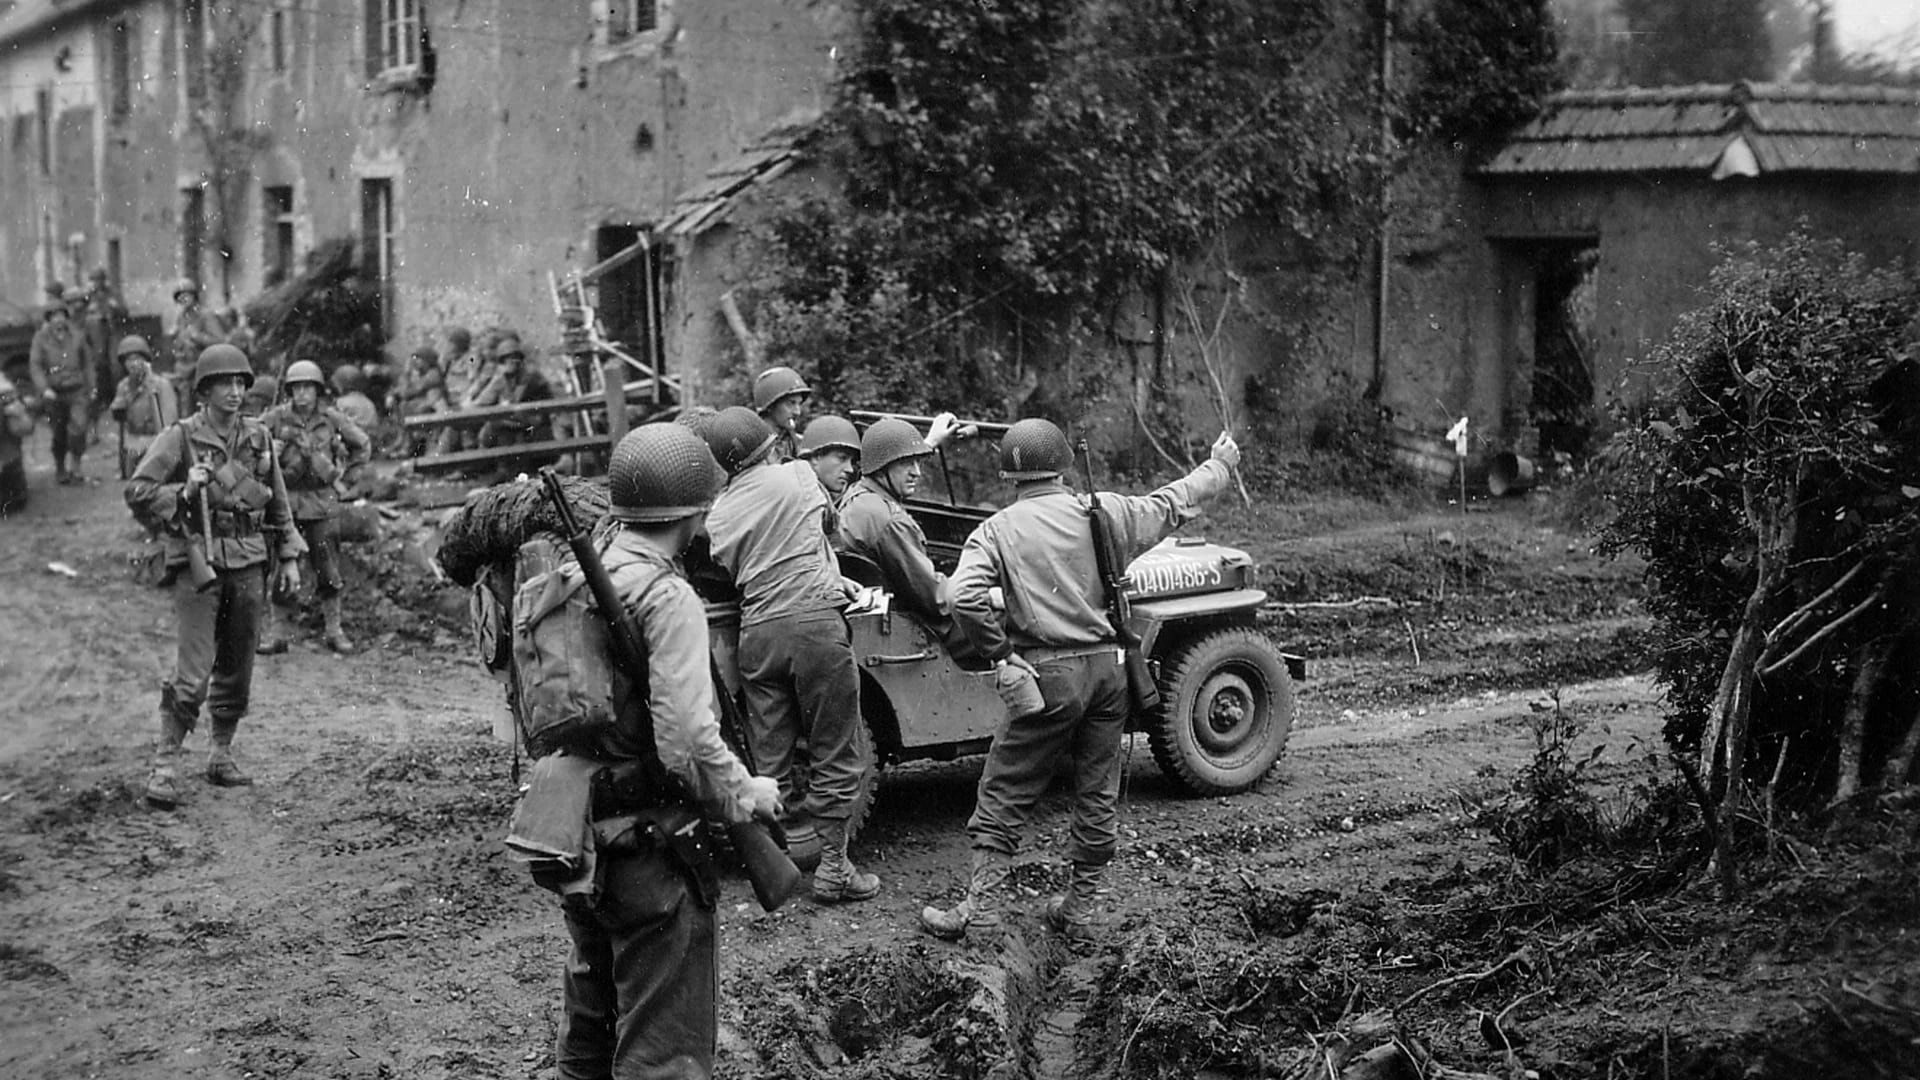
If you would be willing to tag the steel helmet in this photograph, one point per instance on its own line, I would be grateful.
(218, 360)
(302, 371)
(661, 473)
(460, 339)
(186, 285)
(428, 353)
(508, 346)
(887, 441)
(1034, 449)
(347, 378)
(56, 289)
(738, 437)
(829, 433)
(264, 388)
(774, 384)
(131, 344)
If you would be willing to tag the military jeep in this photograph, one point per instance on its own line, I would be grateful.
(1226, 691)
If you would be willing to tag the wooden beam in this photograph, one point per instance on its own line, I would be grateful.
(583, 402)
(614, 261)
(497, 454)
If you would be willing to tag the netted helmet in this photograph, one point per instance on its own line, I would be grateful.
(302, 371)
(220, 360)
(774, 384)
(738, 437)
(887, 441)
(186, 285)
(132, 344)
(1034, 449)
(661, 473)
(829, 433)
(509, 346)
(347, 379)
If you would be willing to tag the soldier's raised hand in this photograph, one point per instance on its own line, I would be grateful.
(1226, 451)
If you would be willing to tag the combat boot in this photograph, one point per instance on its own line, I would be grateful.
(163, 779)
(222, 770)
(980, 909)
(272, 641)
(337, 639)
(836, 878)
(1072, 914)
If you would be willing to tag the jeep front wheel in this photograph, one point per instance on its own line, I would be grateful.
(1226, 710)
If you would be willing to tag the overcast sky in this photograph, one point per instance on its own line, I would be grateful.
(1877, 24)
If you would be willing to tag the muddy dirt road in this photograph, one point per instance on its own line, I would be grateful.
(353, 915)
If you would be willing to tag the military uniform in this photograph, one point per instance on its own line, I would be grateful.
(195, 327)
(63, 377)
(16, 423)
(252, 522)
(317, 450)
(874, 524)
(145, 406)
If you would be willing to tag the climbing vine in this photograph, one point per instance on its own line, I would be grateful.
(1480, 66)
(1022, 182)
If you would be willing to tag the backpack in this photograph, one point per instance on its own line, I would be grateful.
(563, 670)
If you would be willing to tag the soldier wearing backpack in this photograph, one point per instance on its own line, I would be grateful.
(640, 988)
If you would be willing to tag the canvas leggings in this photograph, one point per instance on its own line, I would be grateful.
(218, 630)
(1085, 717)
(68, 417)
(804, 690)
(640, 993)
(323, 551)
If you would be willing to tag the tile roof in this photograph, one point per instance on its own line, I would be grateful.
(1738, 129)
(707, 203)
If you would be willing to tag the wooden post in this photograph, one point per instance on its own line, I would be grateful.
(614, 380)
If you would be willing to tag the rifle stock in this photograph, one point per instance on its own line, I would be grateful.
(1141, 686)
(199, 548)
(771, 872)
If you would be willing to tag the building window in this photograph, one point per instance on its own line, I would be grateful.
(43, 128)
(393, 37)
(193, 48)
(193, 230)
(376, 236)
(277, 261)
(628, 19)
(277, 40)
(120, 69)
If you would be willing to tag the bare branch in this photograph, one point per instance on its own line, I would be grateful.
(1792, 621)
(1766, 670)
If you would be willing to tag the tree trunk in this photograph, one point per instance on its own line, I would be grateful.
(1899, 764)
(1871, 661)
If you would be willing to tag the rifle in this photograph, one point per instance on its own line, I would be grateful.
(772, 873)
(1140, 683)
(198, 567)
(123, 449)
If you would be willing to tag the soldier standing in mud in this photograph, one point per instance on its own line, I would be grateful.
(63, 380)
(1039, 551)
(321, 452)
(796, 656)
(143, 403)
(214, 475)
(641, 987)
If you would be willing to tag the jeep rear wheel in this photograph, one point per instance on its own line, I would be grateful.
(1225, 713)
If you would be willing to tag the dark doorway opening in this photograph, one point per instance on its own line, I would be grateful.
(1563, 410)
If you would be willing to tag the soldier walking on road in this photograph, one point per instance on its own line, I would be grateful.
(321, 452)
(641, 987)
(1039, 551)
(63, 379)
(796, 657)
(214, 475)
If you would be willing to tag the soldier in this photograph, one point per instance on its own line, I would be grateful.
(214, 475)
(350, 396)
(874, 522)
(641, 985)
(194, 327)
(780, 396)
(1039, 552)
(63, 379)
(321, 452)
(143, 404)
(831, 444)
(514, 383)
(796, 658)
(16, 423)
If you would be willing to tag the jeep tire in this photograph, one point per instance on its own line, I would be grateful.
(1226, 710)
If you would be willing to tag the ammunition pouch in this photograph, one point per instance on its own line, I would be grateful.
(233, 524)
(636, 808)
(633, 786)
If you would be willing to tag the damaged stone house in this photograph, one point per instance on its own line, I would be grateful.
(482, 152)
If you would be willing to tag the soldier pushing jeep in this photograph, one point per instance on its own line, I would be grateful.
(211, 482)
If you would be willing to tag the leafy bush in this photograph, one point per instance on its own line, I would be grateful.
(1549, 815)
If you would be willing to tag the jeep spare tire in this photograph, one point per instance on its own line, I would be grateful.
(1226, 709)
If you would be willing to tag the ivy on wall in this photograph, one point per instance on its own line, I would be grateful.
(1480, 67)
(1015, 172)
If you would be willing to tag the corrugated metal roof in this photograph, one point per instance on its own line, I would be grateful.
(706, 203)
(1790, 128)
